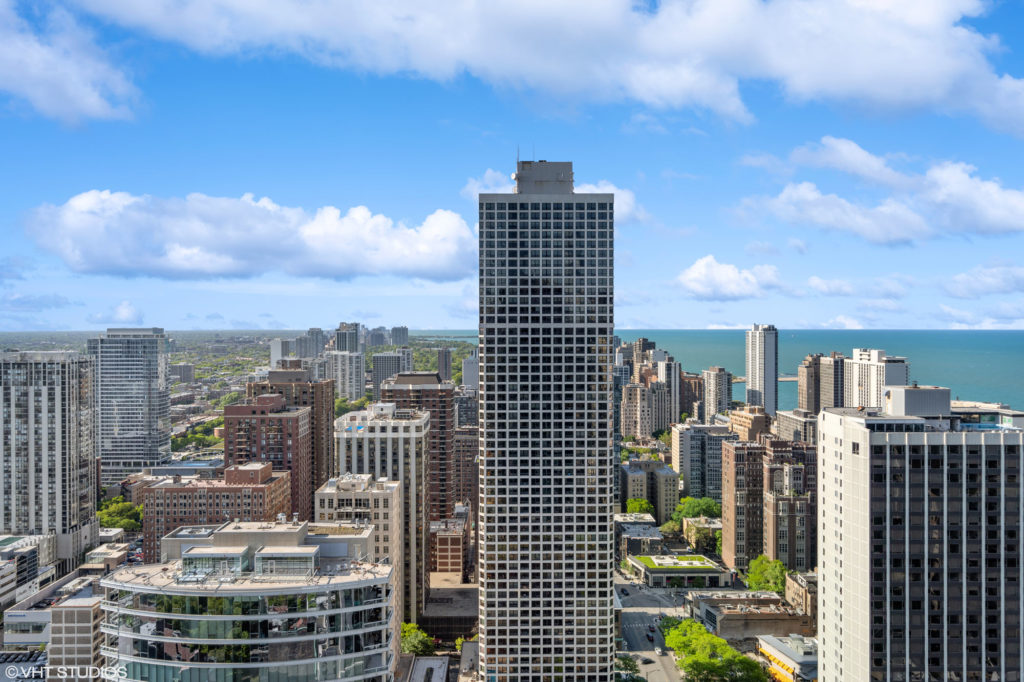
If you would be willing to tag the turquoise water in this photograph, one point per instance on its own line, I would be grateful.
(975, 365)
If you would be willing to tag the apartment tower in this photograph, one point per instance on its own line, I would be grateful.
(546, 469)
(47, 463)
(919, 552)
(717, 392)
(133, 402)
(763, 367)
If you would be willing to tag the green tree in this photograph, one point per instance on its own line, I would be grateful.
(765, 574)
(638, 505)
(344, 406)
(701, 539)
(670, 527)
(458, 643)
(707, 658)
(718, 542)
(415, 641)
(227, 399)
(691, 507)
(116, 513)
(626, 664)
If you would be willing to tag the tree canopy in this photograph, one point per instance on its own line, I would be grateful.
(415, 641)
(765, 574)
(344, 406)
(638, 505)
(691, 507)
(707, 658)
(626, 664)
(116, 513)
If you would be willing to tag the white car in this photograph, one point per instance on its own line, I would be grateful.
(658, 651)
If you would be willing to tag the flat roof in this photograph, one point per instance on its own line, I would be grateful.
(164, 578)
(306, 550)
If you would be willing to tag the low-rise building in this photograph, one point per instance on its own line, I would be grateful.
(27, 623)
(639, 539)
(802, 593)
(452, 608)
(790, 659)
(685, 570)
(702, 533)
(75, 633)
(104, 558)
(449, 546)
(737, 616)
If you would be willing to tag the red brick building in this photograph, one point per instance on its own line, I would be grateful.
(267, 430)
(249, 492)
(428, 392)
(298, 390)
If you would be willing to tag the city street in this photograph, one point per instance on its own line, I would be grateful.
(641, 609)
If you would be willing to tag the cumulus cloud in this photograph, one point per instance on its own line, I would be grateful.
(830, 287)
(889, 222)
(1006, 316)
(53, 64)
(709, 280)
(123, 313)
(798, 245)
(906, 55)
(982, 281)
(849, 157)
(948, 197)
(495, 182)
(200, 236)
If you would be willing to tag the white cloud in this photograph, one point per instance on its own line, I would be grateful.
(494, 182)
(709, 280)
(798, 245)
(849, 157)
(491, 182)
(123, 313)
(947, 197)
(15, 302)
(842, 322)
(830, 287)
(981, 281)
(726, 325)
(889, 222)
(767, 162)
(1005, 318)
(53, 65)
(200, 236)
(880, 304)
(906, 55)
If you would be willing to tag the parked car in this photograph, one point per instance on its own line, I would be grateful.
(625, 592)
(658, 651)
(650, 628)
(650, 637)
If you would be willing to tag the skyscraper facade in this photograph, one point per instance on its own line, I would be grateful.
(444, 363)
(546, 469)
(133, 401)
(866, 374)
(346, 337)
(385, 366)
(808, 388)
(717, 392)
(47, 466)
(428, 392)
(348, 369)
(697, 457)
(400, 335)
(670, 374)
(919, 543)
(763, 367)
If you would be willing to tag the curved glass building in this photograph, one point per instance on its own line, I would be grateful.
(239, 613)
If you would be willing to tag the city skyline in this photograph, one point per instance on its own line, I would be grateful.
(148, 136)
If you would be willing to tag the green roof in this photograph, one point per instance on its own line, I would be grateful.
(684, 562)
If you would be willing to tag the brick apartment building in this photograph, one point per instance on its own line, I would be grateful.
(267, 430)
(248, 492)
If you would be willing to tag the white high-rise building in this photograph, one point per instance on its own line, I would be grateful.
(919, 542)
(868, 372)
(546, 466)
(696, 456)
(471, 370)
(348, 369)
(670, 373)
(133, 403)
(717, 392)
(389, 443)
(47, 457)
(763, 367)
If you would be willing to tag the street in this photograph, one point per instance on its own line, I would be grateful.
(641, 609)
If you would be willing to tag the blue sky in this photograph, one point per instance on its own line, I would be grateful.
(283, 164)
